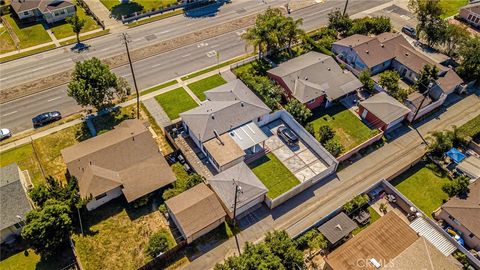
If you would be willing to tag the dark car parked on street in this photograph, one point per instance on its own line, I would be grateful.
(287, 135)
(410, 31)
(46, 118)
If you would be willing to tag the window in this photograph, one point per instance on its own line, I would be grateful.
(259, 119)
(311, 101)
(471, 235)
(26, 13)
(103, 195)
(477, 20)
(451, 218)
(17, 225)
(469, 17)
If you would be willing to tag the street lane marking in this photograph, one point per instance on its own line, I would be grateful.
(211, 53)
(126, 75)
(52, 99)
(166, 31)
(241, 32)
(156, 65)
(10, 113)
(186, 55)
(214, 46)
(203, 44)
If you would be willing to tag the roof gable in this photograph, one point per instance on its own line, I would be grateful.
(385, 107)
(13, 199)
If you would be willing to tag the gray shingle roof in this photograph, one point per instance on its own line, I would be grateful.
(385, 107)
(313, 74)
(227, 107)
(223, 185)
(13, 200)
(337, 228)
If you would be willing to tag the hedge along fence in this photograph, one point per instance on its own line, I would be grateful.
(162, 260)
(91, 13)
(136, 16)
(359, 147)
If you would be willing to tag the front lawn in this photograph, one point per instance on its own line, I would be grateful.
(117, 233)
(274, 175)
(25, 159)
(28, 34)
(118, 9)
(349, 129)
(451, 7)
(29, 260)
(175, 102)
(64, 29)
(471, 128)
(6, 42)
(199, 87)
(374, 216)
(423, 187)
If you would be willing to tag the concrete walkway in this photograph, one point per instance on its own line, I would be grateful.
(103, 14)
(157, 112)
(52, 36)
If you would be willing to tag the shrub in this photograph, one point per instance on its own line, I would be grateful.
(334, 147)
(357, 202)
(309, 128)
(325, 133)
(299, 111)
(457, 186)
(367, 81)
(158, 243)
(163, 208)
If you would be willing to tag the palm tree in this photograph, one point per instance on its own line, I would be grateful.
(292, 32)
(77, 25)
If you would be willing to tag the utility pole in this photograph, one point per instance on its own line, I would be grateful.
(79, 217)
(425, 94)
(126, 40)
(238, 189)
(345, 9)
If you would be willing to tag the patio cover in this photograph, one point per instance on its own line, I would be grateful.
(248, 135)
(456, 155)
(470, 166)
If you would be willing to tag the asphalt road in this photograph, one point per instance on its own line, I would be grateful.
(16, 115)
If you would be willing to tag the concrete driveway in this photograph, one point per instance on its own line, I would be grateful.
(299, 159)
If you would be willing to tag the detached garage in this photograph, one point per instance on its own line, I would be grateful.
(383, 111)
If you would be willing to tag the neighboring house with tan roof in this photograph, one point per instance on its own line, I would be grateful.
(313, 77)
(195, 212)
(49, 10)
(393, 51)
(226, 126)
(389, 243)
(124, 161)
(383, 111)
(462, 212)
(471, 14)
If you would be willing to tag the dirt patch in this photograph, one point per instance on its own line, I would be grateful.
(63, 77)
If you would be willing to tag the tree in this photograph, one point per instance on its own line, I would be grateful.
(299, 111)
(334, 147)
(157, 244)
(455, 36)
(77, 24)
(428, 75)
(53, 189)
(317, 242)
(292, 32)
(430, 23)
(440, 142)
(339, 22)
(389, 80)
(457, 186)
(282, 246)
(367, 81)
(469, 67)
(367, 25)
(309, 128)
(355, 203)
(254, 256)
(93, 84)
(48, 229)
(325, 133)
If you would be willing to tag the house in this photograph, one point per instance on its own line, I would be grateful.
(313, 77)
(195, 212)
(226, 126)
(14, 203)
(393, 51)
(471, 14)
(251, 191)
(338, 229)
(389, 243)
(383, 111)
(50, 11)
(462, 213)
(125, 161)
(470, 166)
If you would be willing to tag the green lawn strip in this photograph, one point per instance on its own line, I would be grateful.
(175, 102)
(157, 87)
(374, 216)
(155, 18)
(423, 187)
(119, 9)
(106, 122)
(63, 29)
(85, 37)
(199, 87)
(274, 175)
(349, 130)
(451, 7)
(203, 71)
(29, 260)
(471, 128)
(28, 34)
(27, 53)
(6, 41)
(25, 159)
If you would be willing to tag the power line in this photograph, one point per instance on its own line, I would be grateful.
(126, 40)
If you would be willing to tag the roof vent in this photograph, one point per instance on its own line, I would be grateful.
(329, 69)
(382, 45)
(242, 104)
(367, 51)
(213, 116)
(306, 78)
(406, 54)
(338, 227)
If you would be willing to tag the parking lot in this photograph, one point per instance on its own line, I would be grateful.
(298, 159)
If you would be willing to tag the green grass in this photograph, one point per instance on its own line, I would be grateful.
(451, 7)
(63, 29)
(199, 87)
(374, 216)
(274, 175)
(108, 121)
(28, 34)
(155, 18)
(118, 9)
(471, 128)
(158, 87)
(203, 71)
(349, 130)
(423, 187)
(6, 41)
(25, 159)
(29, 260)
(175, 102)
(85, 37)
(27, 53)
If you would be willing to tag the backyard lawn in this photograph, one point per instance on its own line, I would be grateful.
(29, 260)
(118, 9)
(6, 42)
(199, 87)
(116, 235)
(64, 29)
(25, 159)
(28, 34)
(451, 7)
(175, 102)
(349, 130)
(274, 175)
(374, 216)
(423, 187)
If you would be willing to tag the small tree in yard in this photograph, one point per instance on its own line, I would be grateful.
(469, 67)
(77, 25)
(455, 36)
(309, 128)
(428, 75)
(334, 147)
(367, 81)
(338, 21)
(317, 242)
(299, 111)
(158, 243)
(457, 186)
(325, 133)
(389, 80)
(93, 84)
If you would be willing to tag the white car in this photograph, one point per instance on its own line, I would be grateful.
(5, 133)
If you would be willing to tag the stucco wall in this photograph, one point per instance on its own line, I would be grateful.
(205, 230)
(371, 118)
(470, 242)
(112, 194)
